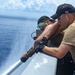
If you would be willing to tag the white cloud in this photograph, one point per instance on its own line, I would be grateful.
(58, 2)
(33, 5)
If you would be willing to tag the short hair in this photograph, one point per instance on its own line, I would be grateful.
(44, 18)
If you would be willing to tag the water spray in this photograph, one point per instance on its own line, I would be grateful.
(19, 62)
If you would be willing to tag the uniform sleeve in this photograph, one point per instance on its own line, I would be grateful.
(69, 36)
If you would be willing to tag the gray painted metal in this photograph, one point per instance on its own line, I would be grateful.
(12, 68)
(41, 64)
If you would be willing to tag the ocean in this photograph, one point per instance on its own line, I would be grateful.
(15, 40)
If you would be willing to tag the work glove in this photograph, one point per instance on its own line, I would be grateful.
(44, 41)
(39, 48)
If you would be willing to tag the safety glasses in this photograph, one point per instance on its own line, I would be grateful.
(40, 25)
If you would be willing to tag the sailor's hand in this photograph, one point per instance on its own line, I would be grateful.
(44, 41)
(39, 48)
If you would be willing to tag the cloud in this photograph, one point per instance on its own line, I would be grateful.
(33, 5)
(58, 2)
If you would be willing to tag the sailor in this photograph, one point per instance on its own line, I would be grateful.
(65, 14)
(45, 27)
(42, 22)
(41, 25)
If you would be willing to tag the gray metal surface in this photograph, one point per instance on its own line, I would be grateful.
(12, 68)
(41, 64)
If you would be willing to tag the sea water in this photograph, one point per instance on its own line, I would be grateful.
(15, 40)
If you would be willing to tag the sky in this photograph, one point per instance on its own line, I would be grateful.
(38, 6)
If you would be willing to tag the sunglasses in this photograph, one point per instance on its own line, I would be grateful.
(40, 25)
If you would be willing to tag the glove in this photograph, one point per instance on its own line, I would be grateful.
(39, 48)
(44, 41)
